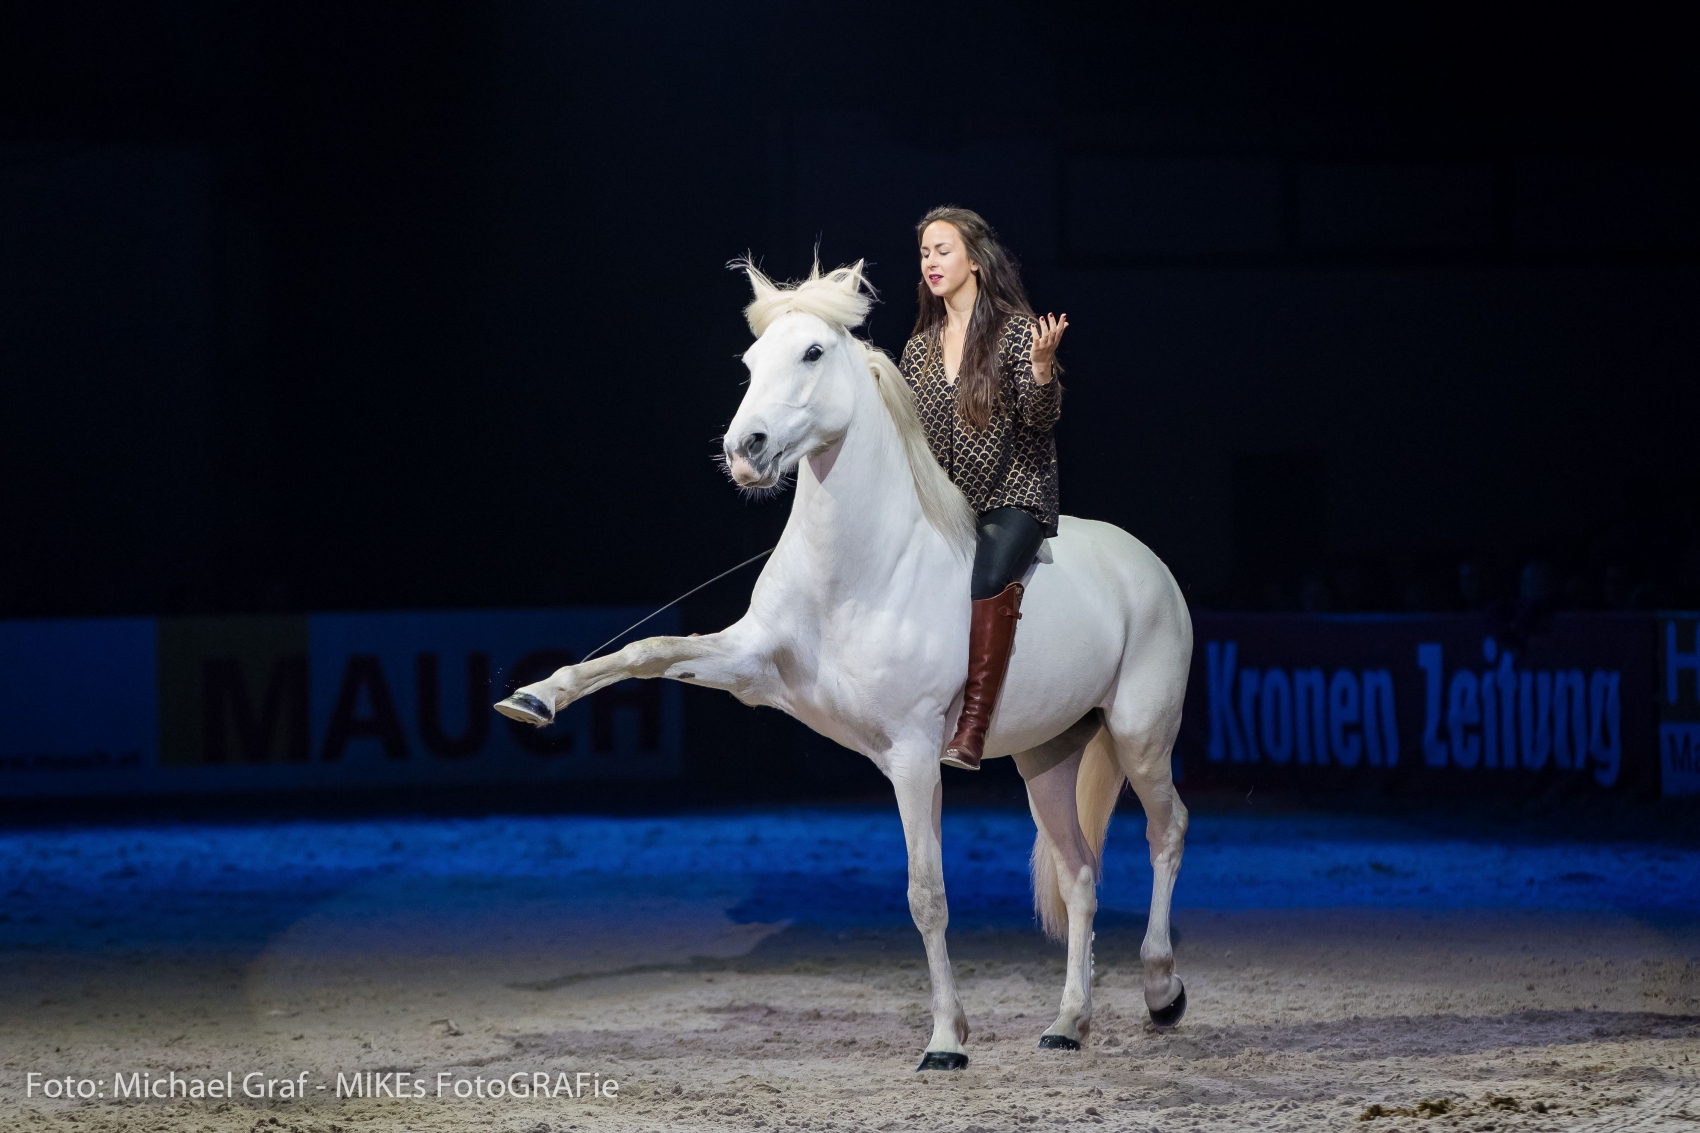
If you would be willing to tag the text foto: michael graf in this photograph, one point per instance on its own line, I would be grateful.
(360, 1084)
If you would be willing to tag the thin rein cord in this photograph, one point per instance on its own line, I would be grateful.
(677, 600)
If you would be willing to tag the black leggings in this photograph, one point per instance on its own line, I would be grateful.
(1009, 539)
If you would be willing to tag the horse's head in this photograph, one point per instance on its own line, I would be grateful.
(803, 369)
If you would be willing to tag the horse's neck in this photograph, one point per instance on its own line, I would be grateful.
(857, 511)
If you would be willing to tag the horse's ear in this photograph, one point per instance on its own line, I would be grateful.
(763, 287)
(757, 314)
(852, 281)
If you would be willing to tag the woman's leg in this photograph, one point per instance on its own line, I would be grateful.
(1009, 538)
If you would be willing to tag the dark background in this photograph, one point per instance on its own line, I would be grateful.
(311, 307)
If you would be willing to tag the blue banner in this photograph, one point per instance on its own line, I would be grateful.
(101, 707)
(1462, 703)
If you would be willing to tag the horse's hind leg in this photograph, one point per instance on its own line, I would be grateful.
(1143, 745)
(1065, 871)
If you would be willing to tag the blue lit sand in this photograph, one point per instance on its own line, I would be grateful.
(234, 885)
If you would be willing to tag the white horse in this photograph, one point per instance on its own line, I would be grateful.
(858, 627)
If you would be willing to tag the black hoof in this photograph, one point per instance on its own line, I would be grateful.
(943, 1060)
(1166, 1017)
(527, 709)
(1057, 1042)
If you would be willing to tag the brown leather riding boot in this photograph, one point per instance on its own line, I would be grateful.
(991, 634)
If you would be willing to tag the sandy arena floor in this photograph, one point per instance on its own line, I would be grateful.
(757, 971)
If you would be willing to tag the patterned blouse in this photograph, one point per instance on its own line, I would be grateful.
(1013, 461)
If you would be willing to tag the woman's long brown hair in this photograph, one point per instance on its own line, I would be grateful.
(1000, 296)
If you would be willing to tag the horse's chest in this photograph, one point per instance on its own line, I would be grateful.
(870, 674)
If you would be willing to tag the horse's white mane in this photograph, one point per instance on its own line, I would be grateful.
(842, 298)
(941, 501)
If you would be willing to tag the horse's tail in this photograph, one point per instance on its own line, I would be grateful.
(1096, 789)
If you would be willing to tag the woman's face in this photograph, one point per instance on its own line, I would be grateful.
(944, 261)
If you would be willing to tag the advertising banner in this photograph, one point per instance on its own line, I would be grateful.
(100, 707)
(1679, 703)
(1456, 703)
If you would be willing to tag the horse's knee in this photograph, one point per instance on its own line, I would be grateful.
(1165, 836)
(927, 905)
(1166, 817)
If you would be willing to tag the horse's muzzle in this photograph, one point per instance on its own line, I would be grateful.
(743, 472)
(753, 462)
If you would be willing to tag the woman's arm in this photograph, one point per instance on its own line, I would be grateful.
(1047, 336)
(1038, 403)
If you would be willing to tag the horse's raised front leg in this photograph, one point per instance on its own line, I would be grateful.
(1065, 872)
(732, 659)
(920, 795)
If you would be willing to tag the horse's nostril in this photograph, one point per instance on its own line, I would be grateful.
(754, 443)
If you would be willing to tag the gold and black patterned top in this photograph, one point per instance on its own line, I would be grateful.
(1013, 461)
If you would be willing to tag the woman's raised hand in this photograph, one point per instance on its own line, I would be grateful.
(1047, 333)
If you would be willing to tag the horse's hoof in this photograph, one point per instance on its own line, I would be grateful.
(1058, 1042)
(527, 709)
(943, 1060)
(1165, 1018)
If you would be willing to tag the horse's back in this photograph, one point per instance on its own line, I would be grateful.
(1100, 610)
(1136, 581)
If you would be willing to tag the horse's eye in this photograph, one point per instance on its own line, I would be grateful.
(812, 354)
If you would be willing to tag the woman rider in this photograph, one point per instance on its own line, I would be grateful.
(984, 371)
